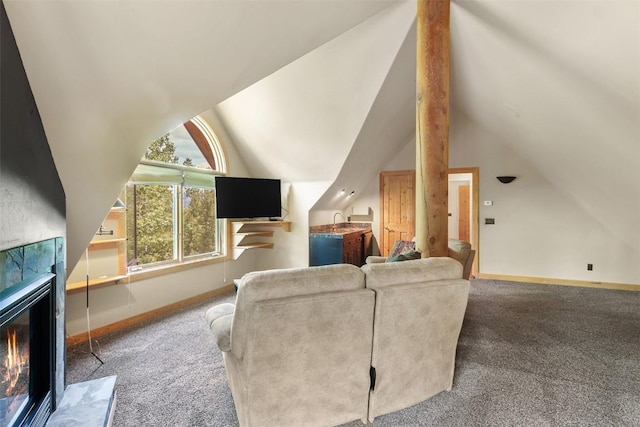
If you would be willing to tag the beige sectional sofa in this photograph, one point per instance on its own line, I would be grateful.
(322, 346)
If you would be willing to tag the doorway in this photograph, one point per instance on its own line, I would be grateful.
(397, 208)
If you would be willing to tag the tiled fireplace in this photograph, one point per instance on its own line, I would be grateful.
(31, 332)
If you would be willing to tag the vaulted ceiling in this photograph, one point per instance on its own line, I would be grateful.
(324, 90)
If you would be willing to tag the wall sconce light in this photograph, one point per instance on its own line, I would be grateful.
(352, 193)
(506, 179)
(341, 193)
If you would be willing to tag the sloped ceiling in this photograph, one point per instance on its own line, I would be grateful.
(559, 84)
(301, 122)
(332, 95)
(110, 76)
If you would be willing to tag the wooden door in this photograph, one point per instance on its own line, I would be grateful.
(397, 200)
(397, 207)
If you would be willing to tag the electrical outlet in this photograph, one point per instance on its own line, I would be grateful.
(489, 221)
(590, 267)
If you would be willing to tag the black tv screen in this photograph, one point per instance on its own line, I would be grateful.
(247, 197)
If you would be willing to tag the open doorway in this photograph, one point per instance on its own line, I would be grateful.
(463, 208)
(397, 208)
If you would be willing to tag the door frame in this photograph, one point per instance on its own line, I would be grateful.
(475, 213)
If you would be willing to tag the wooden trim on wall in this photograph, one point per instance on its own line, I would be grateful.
(562, 282)
(134, 320)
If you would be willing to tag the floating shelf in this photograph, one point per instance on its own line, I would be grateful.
(239, 226)
(245, 232)
(240, 239)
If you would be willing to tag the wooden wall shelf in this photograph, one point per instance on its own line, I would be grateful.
(244, 235)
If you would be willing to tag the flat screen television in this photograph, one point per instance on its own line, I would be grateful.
(247, 197)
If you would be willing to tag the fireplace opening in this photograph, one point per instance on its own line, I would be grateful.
(14, 390)
(26, 354)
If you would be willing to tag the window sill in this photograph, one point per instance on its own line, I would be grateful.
(173, 268)
(143, 274)
(76, 287)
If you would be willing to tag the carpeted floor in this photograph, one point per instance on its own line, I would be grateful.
(528, 355)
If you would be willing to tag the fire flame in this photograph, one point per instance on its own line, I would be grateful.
(13, 361)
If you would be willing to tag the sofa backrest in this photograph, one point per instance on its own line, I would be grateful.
(304, 339)
(420, 307)
(260, 286)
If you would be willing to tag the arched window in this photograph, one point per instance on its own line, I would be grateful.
(171, 201)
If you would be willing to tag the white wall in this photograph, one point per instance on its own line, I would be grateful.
(292, 249)
(111, 304)
(540, 230)
(114, 303)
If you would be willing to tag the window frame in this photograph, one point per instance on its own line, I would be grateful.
(180, 261)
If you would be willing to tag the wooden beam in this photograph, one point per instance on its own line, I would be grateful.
(432, 127)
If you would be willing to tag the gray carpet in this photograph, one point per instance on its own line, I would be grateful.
(530, 355)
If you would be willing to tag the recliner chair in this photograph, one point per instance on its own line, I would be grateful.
(420, 308)
(297, 346)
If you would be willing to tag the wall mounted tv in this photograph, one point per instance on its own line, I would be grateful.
(247, 197)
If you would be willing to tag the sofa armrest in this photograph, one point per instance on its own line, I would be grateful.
(375, 259)
(466, 270)
(220, 318)
(221, 329)
(218, 311)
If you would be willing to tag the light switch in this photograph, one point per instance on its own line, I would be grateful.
(488, 203)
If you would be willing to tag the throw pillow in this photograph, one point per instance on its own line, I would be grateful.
(404, 256)
(401, 246)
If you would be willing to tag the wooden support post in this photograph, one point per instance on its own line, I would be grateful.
(432, 127)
